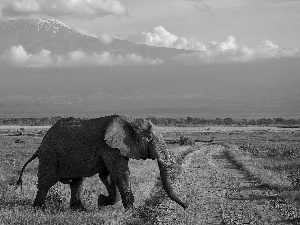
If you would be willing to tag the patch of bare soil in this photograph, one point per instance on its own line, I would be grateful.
(218, 193)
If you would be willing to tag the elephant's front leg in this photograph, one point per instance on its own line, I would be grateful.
(118, 170)
(76, 189)
(113, 192)
(124, 186)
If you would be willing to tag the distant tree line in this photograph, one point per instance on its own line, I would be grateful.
(44, 121)
(196, 121)
(183, 121)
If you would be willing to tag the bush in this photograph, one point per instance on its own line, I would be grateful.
(186, 140)
(272, 151)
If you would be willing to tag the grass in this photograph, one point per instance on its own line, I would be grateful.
(254, 167)
(273, 159)
(270, 156)
(16, 204)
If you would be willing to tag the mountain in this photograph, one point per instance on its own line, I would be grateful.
(256, 88)
(55, 36)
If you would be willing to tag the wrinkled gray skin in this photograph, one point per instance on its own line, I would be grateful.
(73, 149)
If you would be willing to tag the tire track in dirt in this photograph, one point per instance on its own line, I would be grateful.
(149, 212)
(197, 187)
(217, 193)
(244, 201)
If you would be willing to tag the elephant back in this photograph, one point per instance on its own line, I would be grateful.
(70, 131)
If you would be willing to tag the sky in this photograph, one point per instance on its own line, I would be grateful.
(249, 21)
(244, 56)
(219, 31)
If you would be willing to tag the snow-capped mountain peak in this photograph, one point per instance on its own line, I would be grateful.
(53, 25)
(35, 35)
(50, 34)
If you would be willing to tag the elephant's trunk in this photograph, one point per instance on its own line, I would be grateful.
(165, 180)
(158, 151)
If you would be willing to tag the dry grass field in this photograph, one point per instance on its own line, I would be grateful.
(271, 156)
(16, 204)
(275, 149)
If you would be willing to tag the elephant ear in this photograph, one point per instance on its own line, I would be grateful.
(119, 134)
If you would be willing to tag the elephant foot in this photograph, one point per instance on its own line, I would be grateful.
(128, 203)
(128, 206)
(78, 206)
(38, 206)
(105, 201)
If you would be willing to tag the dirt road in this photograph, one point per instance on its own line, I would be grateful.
(218, 193)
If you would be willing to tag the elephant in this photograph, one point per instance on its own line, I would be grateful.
(74, 148)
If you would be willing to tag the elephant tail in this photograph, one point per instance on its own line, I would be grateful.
(19, 182)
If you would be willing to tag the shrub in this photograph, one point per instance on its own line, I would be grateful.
(186, 140)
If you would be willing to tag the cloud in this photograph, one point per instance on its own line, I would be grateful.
(105, 59)
(18, 56)
(105, 38)
(225, 51)
(228, 44)
(230, 51)
(200, 6)
(62, 8)
(85, 32)
(160, 37)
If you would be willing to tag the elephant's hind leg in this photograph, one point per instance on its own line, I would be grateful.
(44, 184)
(113, 192)
(40, 198)
(76, 188)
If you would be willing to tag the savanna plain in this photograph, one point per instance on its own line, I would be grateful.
(228, 175)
